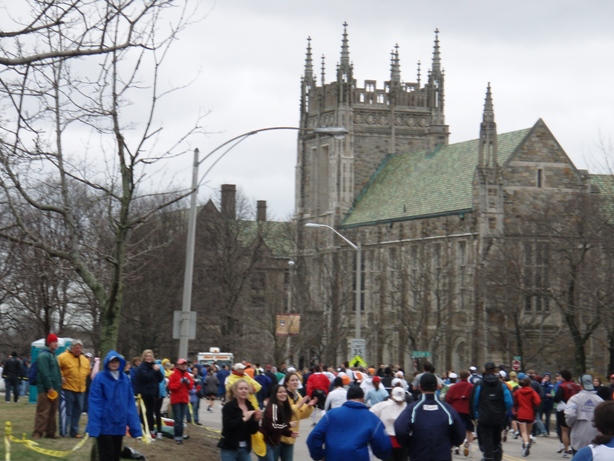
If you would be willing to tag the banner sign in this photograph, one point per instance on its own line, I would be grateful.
(288, 324)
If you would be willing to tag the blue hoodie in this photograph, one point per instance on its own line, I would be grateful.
(111, 405)
(347, 432)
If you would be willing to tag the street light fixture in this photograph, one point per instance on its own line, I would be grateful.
(358, 249)
(184, 326)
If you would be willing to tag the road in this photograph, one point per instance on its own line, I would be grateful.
(543, 450)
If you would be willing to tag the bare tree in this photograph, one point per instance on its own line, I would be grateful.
(80, 69)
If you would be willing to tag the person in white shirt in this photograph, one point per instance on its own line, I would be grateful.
(388, 411)
(336, 397)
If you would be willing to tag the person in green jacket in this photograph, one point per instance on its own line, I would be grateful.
(49, 383)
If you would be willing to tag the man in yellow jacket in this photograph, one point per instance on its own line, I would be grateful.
(75, 369)
(238, 372)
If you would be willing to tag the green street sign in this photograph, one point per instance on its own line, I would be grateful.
(420, 354)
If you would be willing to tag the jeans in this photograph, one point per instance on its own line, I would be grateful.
(242, 454)
(11, 384)
(272, 453)
(179, 412)
(74, 404)
(195, 408)
(23, 388)
(546, 412)
(286, 452)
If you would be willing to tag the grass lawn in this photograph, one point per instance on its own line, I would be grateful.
(200, 445)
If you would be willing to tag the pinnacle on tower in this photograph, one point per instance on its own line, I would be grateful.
(309, 62)
(419, 74)
(488, 134)
(489, 111)
(395, 65)
(323, 70)
(436, 54)
(345, 49)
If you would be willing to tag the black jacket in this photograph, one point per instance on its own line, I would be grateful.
(234, 429)
(12, 368)
(147, 380)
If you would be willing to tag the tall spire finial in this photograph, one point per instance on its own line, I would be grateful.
(309, 62)
(395, 65)
(418, 74)
(436, 54)
(489, 111)
(323, 70)
(345, 48)
(487, 155)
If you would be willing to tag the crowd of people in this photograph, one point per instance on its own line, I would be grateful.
(354, 411)
(358, 411)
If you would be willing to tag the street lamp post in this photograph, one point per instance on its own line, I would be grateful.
(184, 325)
(358, 249)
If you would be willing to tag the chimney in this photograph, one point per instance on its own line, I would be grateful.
(229, 193)
(261, 210)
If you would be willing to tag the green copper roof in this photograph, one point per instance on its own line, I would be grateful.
(277, 236)
(605, 185)
(412, 185)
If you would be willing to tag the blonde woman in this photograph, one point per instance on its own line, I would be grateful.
(147, 381)
(239, 422)
(302, 407)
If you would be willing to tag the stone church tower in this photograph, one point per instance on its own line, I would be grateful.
(398, 117)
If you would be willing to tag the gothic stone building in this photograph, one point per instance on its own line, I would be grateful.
(429, 215)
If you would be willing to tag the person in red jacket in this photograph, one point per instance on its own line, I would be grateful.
(525, 402)
(318, 385)
(180, 383)
(458, 397)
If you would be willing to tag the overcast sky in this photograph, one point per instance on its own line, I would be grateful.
(549, 59)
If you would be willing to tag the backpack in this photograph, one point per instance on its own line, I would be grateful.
(32, 379)
(491, 404)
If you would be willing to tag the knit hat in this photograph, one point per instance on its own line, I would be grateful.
(52, 338)
(428, 382)
(355, 392)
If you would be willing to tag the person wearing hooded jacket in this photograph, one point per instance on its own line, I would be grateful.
(489, 402)
(180, 383)
(111, 408)
(348, 432)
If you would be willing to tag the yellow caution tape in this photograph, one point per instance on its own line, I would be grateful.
(32, 445)
(141, 406)
(7, 440)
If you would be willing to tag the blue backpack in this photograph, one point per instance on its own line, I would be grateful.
(33, 370)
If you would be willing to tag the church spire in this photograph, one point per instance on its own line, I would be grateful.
(489, 111)
(395, 65)
(419, 74)
(436, 55)
(323, 70)
(309, 63)
(488, 134)
(345, 50)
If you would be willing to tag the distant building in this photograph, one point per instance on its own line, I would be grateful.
(433, 220)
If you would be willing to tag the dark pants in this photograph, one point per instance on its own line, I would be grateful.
(179, 411)
(149, 412)
(158, 412)
(489, 439)
(74, 406)
(11, 384)
(546, 412)
(109, 447)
